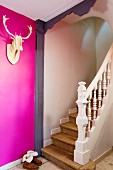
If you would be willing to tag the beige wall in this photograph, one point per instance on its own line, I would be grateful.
(104, 39)
(69, 58)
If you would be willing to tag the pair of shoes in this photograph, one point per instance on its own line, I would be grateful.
(37, 161)
(32, 165)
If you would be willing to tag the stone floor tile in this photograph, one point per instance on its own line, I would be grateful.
(43, 159)
(49, 166)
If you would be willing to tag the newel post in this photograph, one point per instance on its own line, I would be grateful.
(81, 152)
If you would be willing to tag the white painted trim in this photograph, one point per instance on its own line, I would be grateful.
(101, 157)
(100, 72)
(47, 142)
(11, 164)
(74, 110)
(60, 10)
(64, 120)
(56, 130)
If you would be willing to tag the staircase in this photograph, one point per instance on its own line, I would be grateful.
(72, 147)
(61, 152)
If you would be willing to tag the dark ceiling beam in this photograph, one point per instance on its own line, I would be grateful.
(79, 9)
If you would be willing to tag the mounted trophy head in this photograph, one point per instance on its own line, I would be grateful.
(13, 50)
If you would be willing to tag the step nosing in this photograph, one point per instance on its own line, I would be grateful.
(64, 141)
(64, 138)
(70, 126)
(64, 159)
(73, 115)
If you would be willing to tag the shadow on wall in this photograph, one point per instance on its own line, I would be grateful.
(104, 39)
(104, 143)
(101, 30)
(103, 7)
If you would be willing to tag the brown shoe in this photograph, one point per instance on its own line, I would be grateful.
(30, 166)
(37, 161)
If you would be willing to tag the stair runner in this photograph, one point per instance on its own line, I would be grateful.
(62, 150)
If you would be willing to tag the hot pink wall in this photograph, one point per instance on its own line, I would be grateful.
(16, 91)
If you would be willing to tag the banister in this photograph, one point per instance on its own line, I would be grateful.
(98, 89)
(100, 72)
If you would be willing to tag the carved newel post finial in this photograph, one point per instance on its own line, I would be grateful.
(81, 154)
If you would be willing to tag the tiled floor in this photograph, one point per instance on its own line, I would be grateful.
(46, 165)
(105, 164)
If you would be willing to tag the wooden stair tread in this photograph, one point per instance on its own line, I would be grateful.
(61, 155)
(64, 138)
(70, 126)
(91, 165)
(66, 158)
(73, 115)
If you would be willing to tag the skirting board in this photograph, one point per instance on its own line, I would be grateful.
(47, 142)
(74, 110)
(64, 120)
(56, 130)
(101, 157)
(11, 164)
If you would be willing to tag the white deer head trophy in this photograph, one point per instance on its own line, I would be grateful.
(13, 50)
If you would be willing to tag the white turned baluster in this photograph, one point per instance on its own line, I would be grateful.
(108, 74)
(94, 104)
(81, 154)
(99, 93)
(104, 84)
(89, 113)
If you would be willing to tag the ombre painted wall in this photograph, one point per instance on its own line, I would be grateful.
(67, 61)
(16, 90)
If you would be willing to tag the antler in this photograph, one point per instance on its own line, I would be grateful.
(4, 23)
(30, 31)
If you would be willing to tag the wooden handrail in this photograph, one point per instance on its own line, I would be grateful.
(100, 72)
